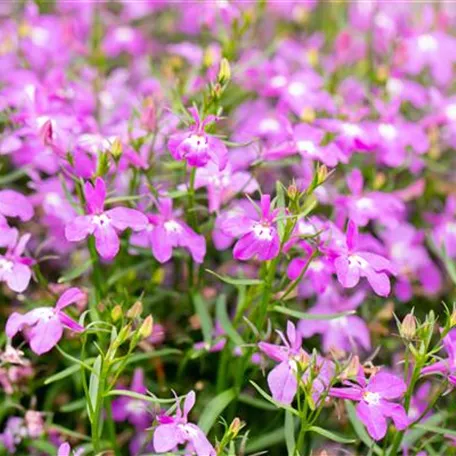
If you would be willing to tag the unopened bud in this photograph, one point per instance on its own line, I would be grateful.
(292, 191)
(235, 426)
(116, 149)
(103, 164)
(308, 115)
(408, 327)
(147, 327)
(149, 115)
(116, 313)
(322, 174)
(352, 369)
(136, 310)
(225, 72)
(453, 318)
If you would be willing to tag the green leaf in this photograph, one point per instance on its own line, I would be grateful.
(94, 383)
(359, 429)
(63, 374)
(70, 432)
(214, 408)
(204, 317)
(238, 282)
(142, 397)
(330, 435)
(266, 441)
(225, 322)
(73, 406)
(125, 271)
(255, 402)
(75, 272)
(273, 401)
(309, 316)
(289, 427)
(280, 207)
(152, 354)
(436, 429)
(44, 446)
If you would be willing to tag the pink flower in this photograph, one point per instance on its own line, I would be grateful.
(352, 264)
(257, 237)
(165, 231)
(104, 225)
(44, 325)
(375, 401)
(196, 146)
(14, 204)
(15, 268)
(176, 430)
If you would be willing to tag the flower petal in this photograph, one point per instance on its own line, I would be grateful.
(123, 218)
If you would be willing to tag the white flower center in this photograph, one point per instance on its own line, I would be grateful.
(427, 43)
(263, 232)
(197, 141)
(364, 203)
(371, 398)
(337, 323)
(307, 146)
(136, 407)
(188, 430)
(124, 34)
(5, 265)
(388, 131)
(278, 81)
(173, 227)
(53, 199)
(101, 220)
(351, 129)
(44, 313)
(451, 227)
(450, 112)
(394, 86)
(357, 261)
(316, 266)
(297, 89)
(269, 125)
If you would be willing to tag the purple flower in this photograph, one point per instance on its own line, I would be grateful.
(44, 325)
(257, 237)
(133, 410)
(15, 268)
(104, 225)
(14, 204)
(352, 264)
(282, 380)
(196, 146)
(165, 231)
(375, 401)
(444, 232)
(176, 430)
(446, 367)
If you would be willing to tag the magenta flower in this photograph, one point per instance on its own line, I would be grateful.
(132, 410)
(282, 380)
(352, 264)
(375, 401)
(165, 231)
(196, 146)
(104, 225)
(15, 268)
(43, 326)
(446, 367)
(444, 231)
(257, 237)
(176, 430)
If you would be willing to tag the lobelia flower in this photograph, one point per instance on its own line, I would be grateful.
(444, 232)
(282, 380)
(65, 450)
(165, 231)
(173, 431)
(15, 204)
(257, 237)
(104, 225)
(446, 367)
(374, 399)
(196, 146)
(351, 264)
(43, 326)
(133, 410)
(14, 268)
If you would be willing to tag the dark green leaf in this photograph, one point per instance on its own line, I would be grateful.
(225, 322)
(214, 408)
(309, 316)
(238, 282)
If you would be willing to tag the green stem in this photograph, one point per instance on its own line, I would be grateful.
(97, 273)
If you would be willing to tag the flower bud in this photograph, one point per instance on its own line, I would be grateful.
(146, 328)
(308, 115)
(322, 174)
(235, 426)
(149, 115)
(453, 318)
(292, 191)
(116, 313)
(136, 310)
(352, 369)
(116, 149)
(225, 72)
(408, 327)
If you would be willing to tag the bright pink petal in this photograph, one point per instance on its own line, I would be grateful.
(70, 296)
(70, 323)
(387, 385)
(79, 228)
(45, 335)
(161, 245)
(283, 383)
(106, 241)
(199, 441)
(18, 278)
(95, 196)
(166, 437)
(347, 274)
(396, 412)
(373, 419)
(123, 218)
(15, 204)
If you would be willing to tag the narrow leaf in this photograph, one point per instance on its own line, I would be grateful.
(214, 408)
(331, 435)
(94, 384)
(290, 433)
(75, 272)
(309, 316)
(63, 374)
(204, 317)
(272, 400)
(235, 281)
(225, 322)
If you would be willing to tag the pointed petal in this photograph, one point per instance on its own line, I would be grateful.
(123, 218)
(15, 204)
(18, 278)
(166, 437)
(282, 383)
(106, 241)
(79, 228)
(70, 323)
(387, 385)
(45, 335)
(70, 296)
(373, 419)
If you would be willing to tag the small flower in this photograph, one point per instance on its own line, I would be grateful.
(352, 264)
(375, 401)
(176, 430)
(44, 325)
(165, 231)
(14, 204)
(196, 146)
(257, 237)
(15, 268)
(104, 225)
